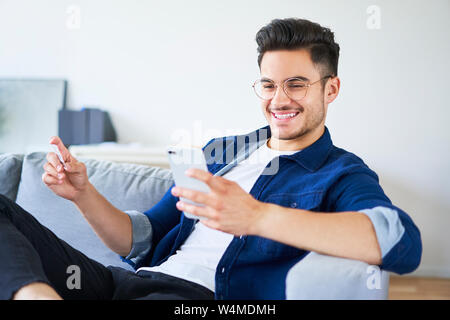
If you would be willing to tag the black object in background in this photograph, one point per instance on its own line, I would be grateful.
(85, 126)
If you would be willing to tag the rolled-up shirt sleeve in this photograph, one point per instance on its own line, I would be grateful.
(388, 227)
(399, 238)
(142, 236)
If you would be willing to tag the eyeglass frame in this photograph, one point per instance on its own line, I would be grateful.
(284, 88)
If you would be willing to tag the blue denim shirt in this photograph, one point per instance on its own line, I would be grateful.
(321, 178)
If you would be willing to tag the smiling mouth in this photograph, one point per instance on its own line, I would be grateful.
(284, 116)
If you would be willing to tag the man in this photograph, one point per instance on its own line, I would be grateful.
(262, 217)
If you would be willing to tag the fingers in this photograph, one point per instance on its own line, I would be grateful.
(52, 171)
(62, 148)
(53, 160)
(75, 166)
(198, 197)
(214, 182)
(72, 165)
(195, 210)
(50, 180)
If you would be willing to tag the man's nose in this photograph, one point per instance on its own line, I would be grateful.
(280, 98)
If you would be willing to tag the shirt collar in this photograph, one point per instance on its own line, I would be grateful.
(312, 157)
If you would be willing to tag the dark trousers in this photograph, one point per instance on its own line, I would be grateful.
(29, 252)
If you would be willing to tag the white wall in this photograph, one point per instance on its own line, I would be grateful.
(127, 57)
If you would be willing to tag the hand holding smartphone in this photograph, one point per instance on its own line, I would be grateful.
(180, 160)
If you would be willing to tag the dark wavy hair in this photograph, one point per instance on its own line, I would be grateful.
(292, 34)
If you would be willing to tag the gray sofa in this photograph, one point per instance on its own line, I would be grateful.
(136, 187)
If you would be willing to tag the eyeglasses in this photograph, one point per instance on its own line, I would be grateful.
(295, 88)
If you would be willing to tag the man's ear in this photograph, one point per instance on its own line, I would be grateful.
(332, 89)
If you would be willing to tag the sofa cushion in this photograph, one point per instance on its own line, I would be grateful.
(322, 277)
(126, 186)
(10, 169)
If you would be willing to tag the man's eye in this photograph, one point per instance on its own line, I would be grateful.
(268, 86)
(296, 85)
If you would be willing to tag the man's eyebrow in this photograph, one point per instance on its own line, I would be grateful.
(296, 77)
(300, 77)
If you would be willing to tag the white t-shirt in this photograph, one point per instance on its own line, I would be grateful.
(197, 258)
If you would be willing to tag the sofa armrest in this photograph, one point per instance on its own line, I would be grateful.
(319, 276)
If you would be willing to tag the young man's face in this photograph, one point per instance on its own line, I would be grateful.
(310, 111)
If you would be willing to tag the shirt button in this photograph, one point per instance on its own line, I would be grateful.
(223, 270)
(294, 205)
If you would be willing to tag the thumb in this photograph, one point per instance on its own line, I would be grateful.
(74, 166)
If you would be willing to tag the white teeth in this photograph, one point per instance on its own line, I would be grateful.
(284, 116)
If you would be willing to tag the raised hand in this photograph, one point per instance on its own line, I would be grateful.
(68, 182)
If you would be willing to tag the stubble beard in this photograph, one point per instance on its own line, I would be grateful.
(309, 124)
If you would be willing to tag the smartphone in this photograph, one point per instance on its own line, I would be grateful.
(180, 160)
